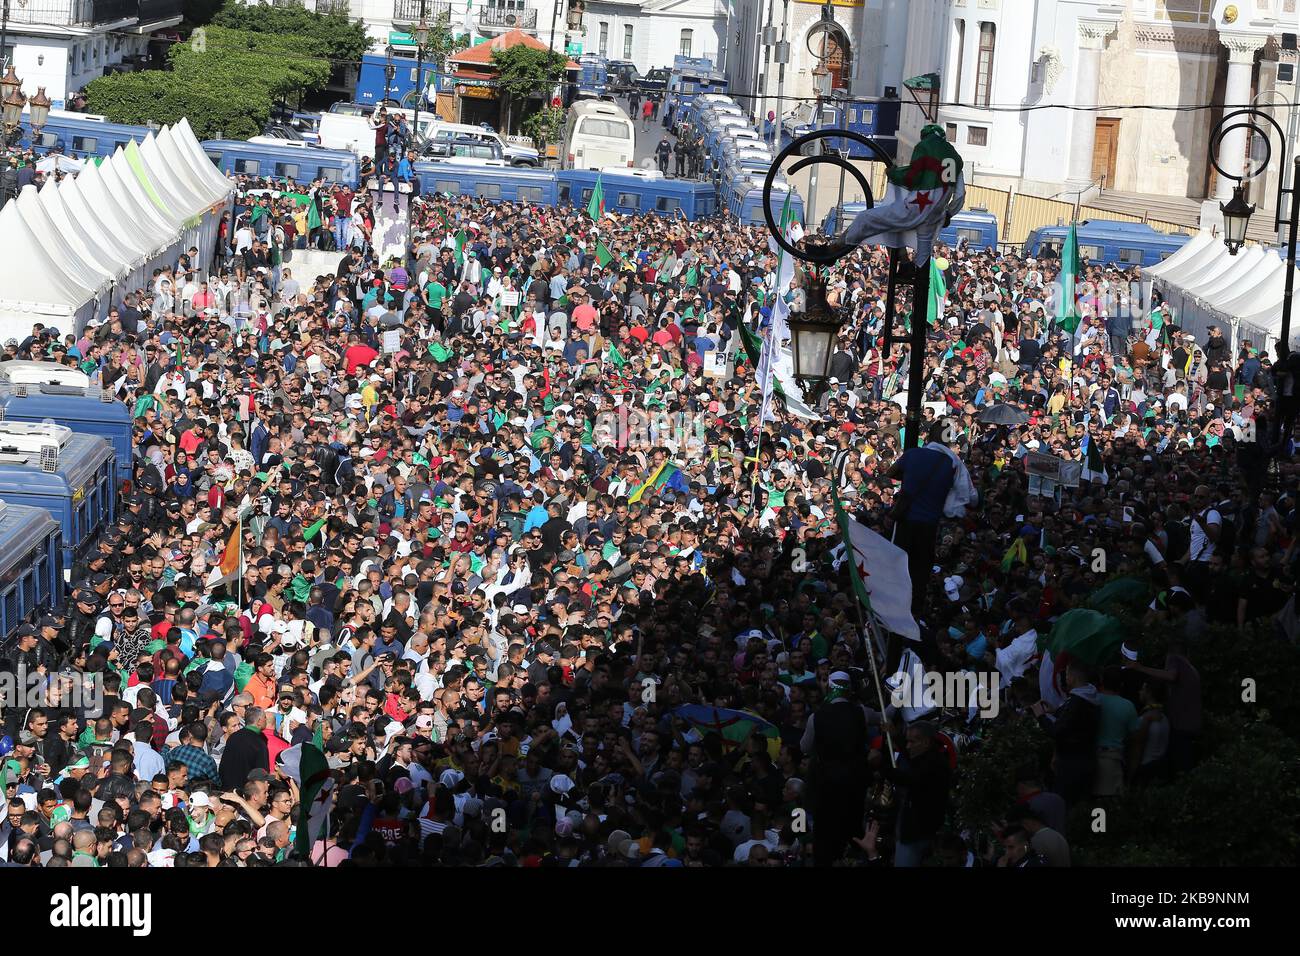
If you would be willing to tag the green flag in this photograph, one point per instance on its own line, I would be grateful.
(313, 813)
(460, 247)
(938, 294)
(439, 351)
(603, 255)
(1067, 302)
(313, 530)
(614, 357)
(692, 276)
(596, 206)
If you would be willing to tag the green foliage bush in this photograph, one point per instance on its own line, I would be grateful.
(223, 81)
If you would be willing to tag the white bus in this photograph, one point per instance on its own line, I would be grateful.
(598, 134)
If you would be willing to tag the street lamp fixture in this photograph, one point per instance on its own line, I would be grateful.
(1236, 217)
(13, 111)
(821, 80)
(9, 84)
(422, 33)
(813, 332)
(40, 109)
(1237, 212)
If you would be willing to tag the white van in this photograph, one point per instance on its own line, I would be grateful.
(598, 134)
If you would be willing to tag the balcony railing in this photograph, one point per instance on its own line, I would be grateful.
(409, 11)
(509, 18)
(84, 13)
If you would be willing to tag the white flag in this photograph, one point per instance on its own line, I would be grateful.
(882, 566)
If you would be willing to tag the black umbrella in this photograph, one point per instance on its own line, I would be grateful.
(1003, 414)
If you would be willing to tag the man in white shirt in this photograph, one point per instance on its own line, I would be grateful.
(1013, 660)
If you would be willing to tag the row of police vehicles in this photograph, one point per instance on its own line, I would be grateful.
(65, 451)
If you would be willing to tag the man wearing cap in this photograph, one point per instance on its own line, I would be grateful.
(836, 738)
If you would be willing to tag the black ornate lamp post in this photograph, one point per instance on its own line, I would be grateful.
(823, 253)
(1237, 212)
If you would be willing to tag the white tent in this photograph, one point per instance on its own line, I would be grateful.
(67, 249)
(106, 197)
(72, 245)
(186, 140)
(162, 238)
(66, 206)
(1189, 249)
(1208, 285)
(147, 207)
(1242, 271)
(33, 286)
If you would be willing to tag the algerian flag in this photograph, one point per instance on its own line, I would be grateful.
(460, 247)
(596, 207)
(776, 336)
(1094, 468)
(313, 530)
(305, 765)
(603, 255)
(1067, 300)
(878, 570)
(614, 357)
(793, 232)
(938, 294)
(692, 275)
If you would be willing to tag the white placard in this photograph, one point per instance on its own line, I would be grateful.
(392, 340)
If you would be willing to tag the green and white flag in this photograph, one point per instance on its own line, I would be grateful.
(306, 765)
(878, 570)
(938, 294)
(1067, 298)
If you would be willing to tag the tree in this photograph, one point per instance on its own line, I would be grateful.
(226, 83)
(337, 36)
(525, 73)
(545, 126)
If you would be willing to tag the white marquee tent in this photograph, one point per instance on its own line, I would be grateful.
(1207, 285)
(78, 245)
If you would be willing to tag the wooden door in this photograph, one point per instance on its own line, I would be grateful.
(1104, 149)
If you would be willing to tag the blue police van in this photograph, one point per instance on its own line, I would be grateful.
(745, 202)
(47, 391)
(373, 87)
(1107, 242)
(877, 119)
(73, 477)
(693, 76)
(593, 74)
(82, 135)
(31, 564)
(300, 162)
(637, 191)
(627, 191)
(491, 179)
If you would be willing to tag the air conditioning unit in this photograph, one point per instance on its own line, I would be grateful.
(34, 438)
(1286, 74)
(511, 19)
(42, 373)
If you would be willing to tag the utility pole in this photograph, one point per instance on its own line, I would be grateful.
(782, 58)
(765, 35)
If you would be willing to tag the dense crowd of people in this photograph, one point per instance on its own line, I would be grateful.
(495, 530)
